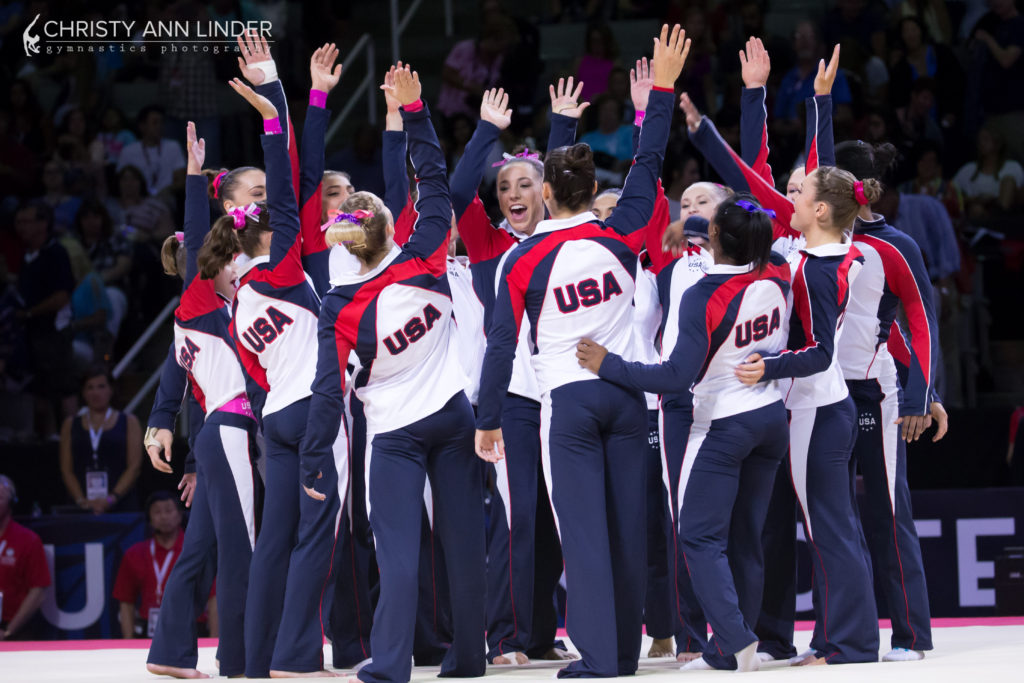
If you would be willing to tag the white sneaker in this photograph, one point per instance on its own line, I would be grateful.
(747, 659)
(793, 661)
(902, 654)
(765, 657)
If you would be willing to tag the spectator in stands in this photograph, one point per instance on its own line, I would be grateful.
(595, 65)
(931, 15)
(110, 254)
(24, 574)
(929, 181)
(45, 283)
(859, 26)
(798, 84)
(143, 573)
(473, 66)
(917, 57)
(160, 159)
(997, 54)
(112, 138)
(990, 183)
(17, 165)
(147, 218)
(915, 123)
(101, 450)
(611, 138)
(55, 194)
(90, 310)
(31, 125)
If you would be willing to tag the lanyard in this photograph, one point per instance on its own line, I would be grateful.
(95, 436)
(3, 545)
(160, 572)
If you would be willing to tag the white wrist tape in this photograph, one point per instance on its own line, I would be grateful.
(269, 69)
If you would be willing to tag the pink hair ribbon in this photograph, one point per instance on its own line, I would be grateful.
(240, 214)
(180, 236)
(354, 217)
(525, 154)
(858, 193)
(216, 184)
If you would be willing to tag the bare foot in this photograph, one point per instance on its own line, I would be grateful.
(813, 660)
(512, 658)
(174, 671)
(662, 647)
(557, 654)
(684, 657)
(307, 674)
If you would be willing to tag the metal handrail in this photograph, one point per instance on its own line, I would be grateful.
(365, 86)
(145, 337)
(146, 388)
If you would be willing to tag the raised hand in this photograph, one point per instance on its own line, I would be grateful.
(670, 52)
(641, 80)
(690, 109)
(565, 101)
(494, 108)
(755, 64)
(388, 86)
(827, 74)
(254, 50)
(260, 103)
(406, 86)
(321, 73)
(196, 149)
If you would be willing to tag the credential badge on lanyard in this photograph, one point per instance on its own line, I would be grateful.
(96, 478)
(160, 573)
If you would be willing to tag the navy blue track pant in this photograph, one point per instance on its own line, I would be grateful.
(777, 620)
(222, 523)
(594, 437)
(292, 556)
(524, 561)
(398, 462)
(725, 487)
(659, 603)
(824, 476)
(354, 563)
(888, 520)
(691, 628)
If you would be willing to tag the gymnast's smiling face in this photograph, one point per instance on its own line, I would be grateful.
(519, 195)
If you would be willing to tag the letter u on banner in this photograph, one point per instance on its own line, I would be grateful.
(94, 599)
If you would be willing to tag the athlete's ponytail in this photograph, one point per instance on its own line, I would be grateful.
(570, 171)
(866, 161)
(361, 227)
(239, 231)
(172, 256)
(844, 194)
(744, 231)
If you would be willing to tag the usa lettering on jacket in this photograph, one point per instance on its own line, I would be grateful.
(587, 293)
(414, 330)
(758, 329)
(266, 329)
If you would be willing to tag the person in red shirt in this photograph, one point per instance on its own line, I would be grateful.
(146, 566)
(24, 574)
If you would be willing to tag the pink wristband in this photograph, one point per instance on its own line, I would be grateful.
(317, 98)
(272, 126)
(415, 106)
(639, 120)
(660, 89)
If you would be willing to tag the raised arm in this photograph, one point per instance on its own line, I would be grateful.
(285, 245)
(434, 202)
(821, 147)
(495, 116)
(734, 172)
(566, 110)
(327, 405)
(755, 67)
(636, 203)
(395, 147)
(197, 206)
